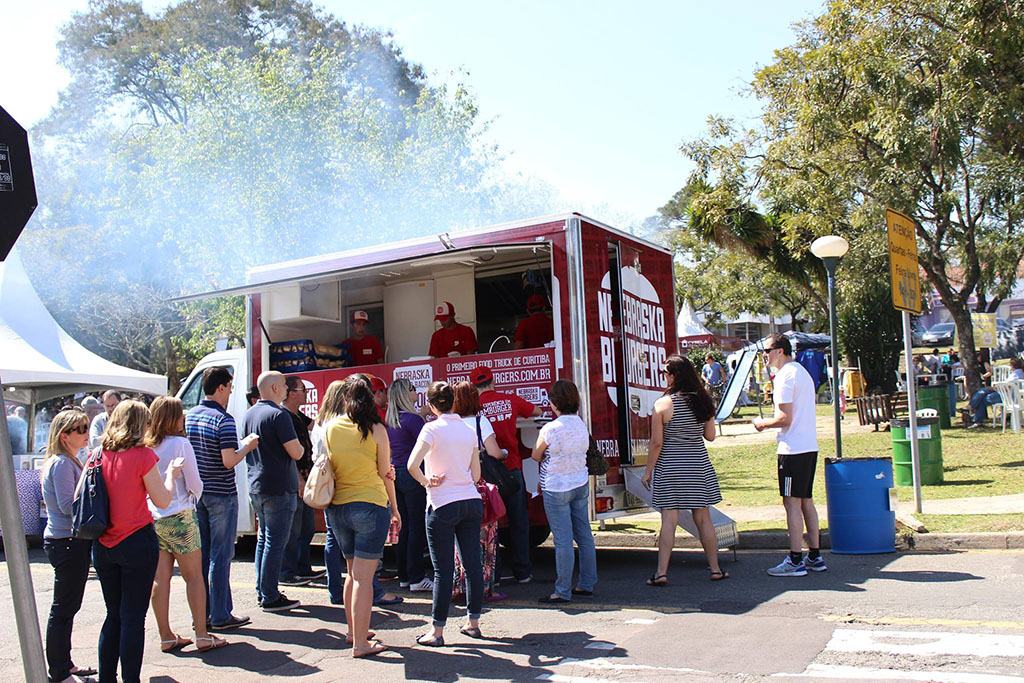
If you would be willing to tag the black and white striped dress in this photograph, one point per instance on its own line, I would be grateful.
(683, 477)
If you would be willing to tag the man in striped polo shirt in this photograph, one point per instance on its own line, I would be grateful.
(211, 430)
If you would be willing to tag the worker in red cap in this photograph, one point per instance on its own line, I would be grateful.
(365, 348)
(536, 329)
(453, 339)
(380, 394)
(503, 410)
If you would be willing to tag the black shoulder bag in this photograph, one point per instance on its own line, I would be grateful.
(90, 510)
(494, 471)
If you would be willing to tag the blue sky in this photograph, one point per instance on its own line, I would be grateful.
(591, 97)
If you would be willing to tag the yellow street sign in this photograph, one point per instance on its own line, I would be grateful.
(903, 268)
(986, 334)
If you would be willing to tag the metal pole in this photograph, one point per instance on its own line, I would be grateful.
(915, 456)
(22, 594)
(830, 268)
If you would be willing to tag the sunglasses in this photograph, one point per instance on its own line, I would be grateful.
(77, 430)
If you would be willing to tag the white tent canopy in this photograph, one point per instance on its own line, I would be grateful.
(687, 324)
(40, 361)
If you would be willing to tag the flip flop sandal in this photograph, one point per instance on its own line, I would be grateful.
(656, 581)
(212, 643)
(375, 649)
(719, 576)
(83, 671)
(369, 636)
(430, 641)
(169, 645)
(471, 632)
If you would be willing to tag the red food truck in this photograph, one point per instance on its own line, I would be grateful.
(610, 296)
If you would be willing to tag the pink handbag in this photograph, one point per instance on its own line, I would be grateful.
(494, 506)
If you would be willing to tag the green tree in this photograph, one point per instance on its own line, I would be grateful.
(916, 106)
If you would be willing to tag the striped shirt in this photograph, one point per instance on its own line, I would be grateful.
(211, 429)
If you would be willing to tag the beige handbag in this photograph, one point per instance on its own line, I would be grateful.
(319, 490)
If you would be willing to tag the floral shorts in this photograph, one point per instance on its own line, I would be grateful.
(178, 534)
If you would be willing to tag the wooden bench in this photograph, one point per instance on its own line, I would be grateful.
(880, 408)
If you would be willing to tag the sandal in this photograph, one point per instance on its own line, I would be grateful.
(83, 671)
(471, 631)
(659, 580)
(369, 636)
(211, 643)
(719, 576)
(375, 649)
(170, 645)
(430, 641)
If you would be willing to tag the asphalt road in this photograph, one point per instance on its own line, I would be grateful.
(952, 617)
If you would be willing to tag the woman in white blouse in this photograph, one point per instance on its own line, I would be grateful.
(177, 527)
(561, 450)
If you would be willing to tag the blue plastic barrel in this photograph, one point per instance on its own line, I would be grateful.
(860, 521)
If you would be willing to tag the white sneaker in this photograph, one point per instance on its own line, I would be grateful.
(423, 586)
(815, 565)
(787, 568)
(403, 584)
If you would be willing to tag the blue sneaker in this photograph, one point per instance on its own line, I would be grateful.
(815, 565)
(787, 568)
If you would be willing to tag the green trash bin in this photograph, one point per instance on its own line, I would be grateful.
(936, 396)
(929, 443)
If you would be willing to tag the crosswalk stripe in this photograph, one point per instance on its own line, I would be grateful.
(926, 643)
(921, 621)
(833, 671)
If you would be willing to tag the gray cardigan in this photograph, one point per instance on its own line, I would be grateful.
(59, 481)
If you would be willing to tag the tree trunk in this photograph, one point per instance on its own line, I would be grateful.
(965, 337)
(171, 358)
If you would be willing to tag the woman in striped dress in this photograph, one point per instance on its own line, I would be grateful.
(679, 471)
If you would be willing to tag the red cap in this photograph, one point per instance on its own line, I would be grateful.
(377, 384)
(536, 303)
(481, 375)
(360, 315)
(444, 311)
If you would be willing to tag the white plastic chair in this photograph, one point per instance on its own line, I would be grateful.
(927, 412)
(1000, 373)
(1010, 395)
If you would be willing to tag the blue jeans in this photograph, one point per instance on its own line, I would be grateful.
(412, 538)
(984, 397)
(126, 574)
(218, 527)
(568, 517)
(459, 521)
(274, 514)
(518, 511)
(296, 553)
(332, 561)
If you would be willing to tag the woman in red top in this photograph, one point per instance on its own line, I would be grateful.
(125, 556)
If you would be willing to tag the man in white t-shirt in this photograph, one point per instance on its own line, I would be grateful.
(793, 396)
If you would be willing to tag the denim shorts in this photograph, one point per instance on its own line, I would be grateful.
(361, 529)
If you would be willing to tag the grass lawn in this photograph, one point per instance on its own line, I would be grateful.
(985, 463)
(971, 523)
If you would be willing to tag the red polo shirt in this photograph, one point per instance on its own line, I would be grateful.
(365, 351)
(535, 331)
(503, 410)
(460, 339)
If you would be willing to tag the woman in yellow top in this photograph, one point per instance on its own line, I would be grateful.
(357, 444)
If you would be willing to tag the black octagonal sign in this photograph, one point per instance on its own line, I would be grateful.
(17, 186)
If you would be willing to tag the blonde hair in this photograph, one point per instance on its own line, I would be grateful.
(333, 404)
(399, 400)
(164, 420)
(65, 421)
(126, 427)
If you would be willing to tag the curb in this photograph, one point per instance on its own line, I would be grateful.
(779, 540)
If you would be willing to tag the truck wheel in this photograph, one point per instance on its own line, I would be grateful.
(538, 534)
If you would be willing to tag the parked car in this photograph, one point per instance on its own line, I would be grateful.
(939, 335)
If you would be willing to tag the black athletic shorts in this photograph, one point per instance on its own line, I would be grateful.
(796, 474)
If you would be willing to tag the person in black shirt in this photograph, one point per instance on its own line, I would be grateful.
(296, 569)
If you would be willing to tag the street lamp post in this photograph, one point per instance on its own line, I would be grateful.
(830, 249)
